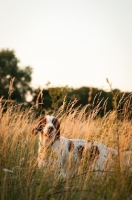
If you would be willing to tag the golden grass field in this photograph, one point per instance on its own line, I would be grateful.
(20, 177)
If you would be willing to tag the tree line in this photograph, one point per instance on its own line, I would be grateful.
(15, 85)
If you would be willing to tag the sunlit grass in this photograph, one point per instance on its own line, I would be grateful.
(20, 177)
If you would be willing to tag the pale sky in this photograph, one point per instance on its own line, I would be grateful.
(71, 42)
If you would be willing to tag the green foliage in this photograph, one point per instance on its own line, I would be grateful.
(41, 99)
(10, 69)
(15, 85)
(47, 99)
(53, 98)
(58, 95)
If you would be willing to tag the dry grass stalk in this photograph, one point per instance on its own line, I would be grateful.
(18, 152)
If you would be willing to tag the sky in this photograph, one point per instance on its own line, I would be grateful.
(71, 42)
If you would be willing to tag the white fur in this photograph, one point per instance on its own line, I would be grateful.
(63, 147)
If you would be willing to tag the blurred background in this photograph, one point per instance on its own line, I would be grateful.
(65, 47)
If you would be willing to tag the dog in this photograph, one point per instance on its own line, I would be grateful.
(63, 149)
(48, 128)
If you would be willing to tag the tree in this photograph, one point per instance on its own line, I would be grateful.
(10, 69)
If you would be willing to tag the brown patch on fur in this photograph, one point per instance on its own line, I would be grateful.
(80, 151)
(56, 123)
(40, 125)
(70, 146)
(94, 153)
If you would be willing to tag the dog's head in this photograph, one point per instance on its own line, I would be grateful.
(48, 126)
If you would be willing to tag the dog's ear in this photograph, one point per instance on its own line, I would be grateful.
(40, 126)
(56, 123)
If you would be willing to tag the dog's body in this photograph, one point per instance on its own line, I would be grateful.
(48, 128)
(63, 149)
(49, 138)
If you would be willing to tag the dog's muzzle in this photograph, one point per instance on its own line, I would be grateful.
(49, 132)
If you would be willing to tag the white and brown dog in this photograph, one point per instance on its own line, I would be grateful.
(48, 128)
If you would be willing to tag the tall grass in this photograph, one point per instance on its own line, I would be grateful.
(20, 177)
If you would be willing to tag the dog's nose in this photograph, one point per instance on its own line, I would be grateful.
(50, 129)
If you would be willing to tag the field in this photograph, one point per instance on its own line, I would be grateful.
(20, 177)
